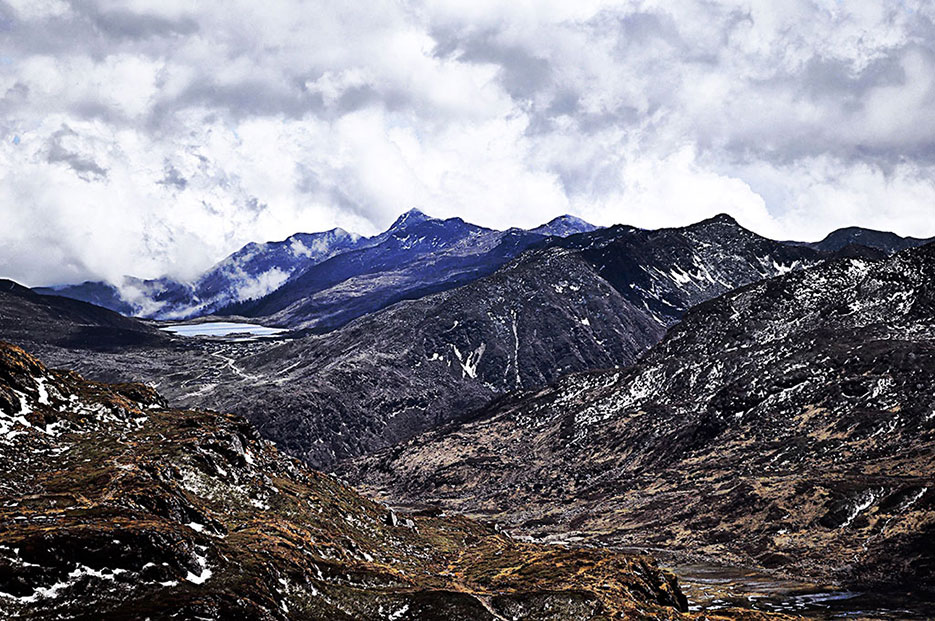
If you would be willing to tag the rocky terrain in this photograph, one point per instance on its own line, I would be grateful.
(668, 271)
(114, 507)
(421, 363)
(787, 425)
(382, 378)
(426, 362)
(782, 426)
(594, 300)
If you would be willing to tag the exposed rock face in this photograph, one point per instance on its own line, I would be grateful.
(789, 424)
(422, 363)
(114, 507)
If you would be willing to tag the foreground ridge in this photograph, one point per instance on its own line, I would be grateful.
(114, 504)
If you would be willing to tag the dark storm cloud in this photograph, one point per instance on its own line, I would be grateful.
(836, 80)
(522, 73)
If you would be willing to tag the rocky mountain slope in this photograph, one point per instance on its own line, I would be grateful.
(664, 271)
(26, 316)
(114, 507)
(417, 364)
(417, 255)
(594, 300)
(668, 271)
(421, 363)
(788, 425)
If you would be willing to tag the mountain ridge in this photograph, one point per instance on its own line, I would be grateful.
(249, 280)
(259, 269)
(787, 424)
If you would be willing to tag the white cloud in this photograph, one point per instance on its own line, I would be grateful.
(39, 9)
(156, 137)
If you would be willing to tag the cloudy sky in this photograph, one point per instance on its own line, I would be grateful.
(156, 136)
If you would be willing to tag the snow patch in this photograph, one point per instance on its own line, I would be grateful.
(863, 502)
(56, 589)
(43, 392)
(205, 571)
(470, 361)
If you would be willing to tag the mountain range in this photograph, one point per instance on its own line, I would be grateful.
(595, 299)
(320, 281)
(286, 283)
(251, 272)
(701, 391)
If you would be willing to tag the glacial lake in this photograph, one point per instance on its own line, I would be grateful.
(221, 328)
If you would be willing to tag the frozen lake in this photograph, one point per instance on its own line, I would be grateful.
(221, 328)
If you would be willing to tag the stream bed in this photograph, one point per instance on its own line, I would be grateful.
(712, 588)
